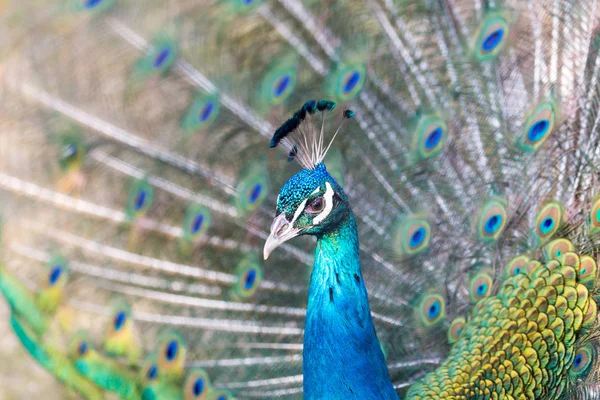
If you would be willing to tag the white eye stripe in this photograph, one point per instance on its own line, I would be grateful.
(298, 211)
(328, 205)
(317, 190)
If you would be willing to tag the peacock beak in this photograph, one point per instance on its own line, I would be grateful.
(281, 231)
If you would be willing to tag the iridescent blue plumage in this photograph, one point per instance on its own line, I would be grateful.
(342, 357)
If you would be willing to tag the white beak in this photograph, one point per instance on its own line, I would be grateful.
(281, 231)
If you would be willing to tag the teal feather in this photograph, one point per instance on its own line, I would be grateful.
(135, 144)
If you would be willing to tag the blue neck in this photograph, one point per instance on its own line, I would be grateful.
(342, 357)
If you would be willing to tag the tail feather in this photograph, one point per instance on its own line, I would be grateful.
(134, 140)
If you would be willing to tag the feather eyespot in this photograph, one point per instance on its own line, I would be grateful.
(91, 3)
(152, 372)
(418, 236)
(350, 81)
(252, 189)
(197, 223)
(594, 216)
(201, 113)
(549, 220)
(281, 85)
(72, 151)
(221, 395)
(171, 354)
(161, 58)
(250, 279)
(430, 136)
(246, 5)
(120, 320)
(140, 198)
(588, 272)
(82, 349)
(250, 275)
(346, 81)
(412, 235)
(492, 40)
(538, 126)
(254, 193)
(456, 328)
(432, 309)
(557, 248)
(55, 275)
(491, 37)
(197, 385)
(58, 272)
(517, 266)
(492, 220)
(80, 345)
(171, 350)
(69, 152)
(163, 55)
(279, 82)
(481, 286)
(582, 361)
(206, 112)
(158, 60)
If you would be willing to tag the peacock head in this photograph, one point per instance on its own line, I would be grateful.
(310, 203)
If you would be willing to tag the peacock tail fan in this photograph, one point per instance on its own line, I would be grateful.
(137, 189)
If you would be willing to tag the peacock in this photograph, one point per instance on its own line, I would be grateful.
(287, 199)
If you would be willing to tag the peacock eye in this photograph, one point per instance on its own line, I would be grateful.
(316, 206)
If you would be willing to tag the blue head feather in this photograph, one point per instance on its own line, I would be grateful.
(310, 184)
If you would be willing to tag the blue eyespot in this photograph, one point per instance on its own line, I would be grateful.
(281, 85)
(482, 289)
(82, 349)
(206, 111)
(351, 82)
(517, 271)
(197, 224)
(433, 138)
(92, 3)
(160, 59)
(222, 398)
(493, 223)
(546, 225)
(171, 351)
(140, 200)
(152, 372)
(538, 130)
(120, 319)
(459, 331)
(247, 2)
(55, 275)
(434, 310)
(198, 387)
(583, 359)
(558, 253)
(417, 237)
(255, 194)
(69, 151)
(250, 278)
(492, 40)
